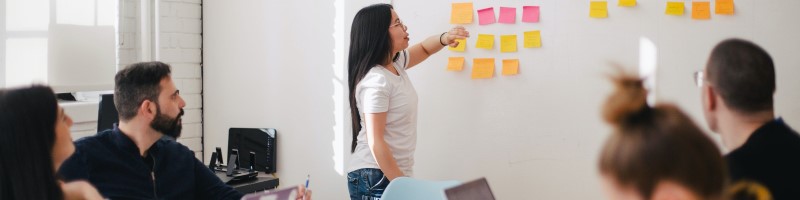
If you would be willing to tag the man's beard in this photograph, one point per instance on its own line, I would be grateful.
(166, 125)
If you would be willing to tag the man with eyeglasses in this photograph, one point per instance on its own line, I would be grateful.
(738, 85)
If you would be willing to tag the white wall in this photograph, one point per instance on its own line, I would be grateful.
(180, 45)
(534, 136)
(272, 64)
(2, 44)
(537, 135)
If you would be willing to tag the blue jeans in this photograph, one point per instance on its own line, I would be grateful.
(366, 184)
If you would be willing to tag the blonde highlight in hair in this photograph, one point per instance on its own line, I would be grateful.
(748, 190)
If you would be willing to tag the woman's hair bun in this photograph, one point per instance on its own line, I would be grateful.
(628, 100)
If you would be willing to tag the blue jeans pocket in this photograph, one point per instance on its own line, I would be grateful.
(375, 182)
(366, 184)
(353, 185)
(379, 184)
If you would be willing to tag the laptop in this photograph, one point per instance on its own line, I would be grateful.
(473, 190)
(282, 194)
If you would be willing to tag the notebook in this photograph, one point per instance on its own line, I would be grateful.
(473, 190)
(282, 194)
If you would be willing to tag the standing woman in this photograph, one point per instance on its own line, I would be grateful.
(383, 102)
(34, 141)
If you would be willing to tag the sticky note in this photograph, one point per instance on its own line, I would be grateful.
(627, 3)
(485, 41)
(724, 7)
(674, 8)
(530, 14)
(482, 68)
(486, 16)
(455, 64)
(508, 43)
(701, 10)
(461, 13)
(462, 45)
(533, 39)
(598, 9)
(508, 15)
(510, 67)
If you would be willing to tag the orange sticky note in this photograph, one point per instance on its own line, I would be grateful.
(598, 9)
(701, 10)
(724, 7)
(508, 43)
(510, 67)
(455, 64)
(485, 41)
(533, 39)
(462, 45)
(674, 8)
(627, 3)
(482, 68)
(461, 13)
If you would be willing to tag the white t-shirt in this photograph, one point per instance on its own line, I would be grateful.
(383, 91)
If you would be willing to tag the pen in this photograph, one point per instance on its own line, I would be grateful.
(307, 177)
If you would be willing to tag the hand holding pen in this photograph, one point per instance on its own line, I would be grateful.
(303, 193)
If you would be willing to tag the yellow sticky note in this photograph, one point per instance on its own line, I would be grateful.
(724, 7)
(598, 9)
(627, 3)
(485, 41)
(701, 10)
(674, 8)
(510, 67)
(462, 45)
(461, 13)
(533, 39)
(482, 68)
(455, 64)
(508, 43)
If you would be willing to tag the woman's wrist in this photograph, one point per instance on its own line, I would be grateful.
(440, 39)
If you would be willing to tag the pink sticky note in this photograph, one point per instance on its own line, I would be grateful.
(486, 16)
(508, 15)
(530, 13)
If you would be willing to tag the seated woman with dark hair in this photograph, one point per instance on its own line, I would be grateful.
(34, 141)
(657, 152)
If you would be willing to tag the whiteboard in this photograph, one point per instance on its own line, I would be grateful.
(537, 135)
(282, 64)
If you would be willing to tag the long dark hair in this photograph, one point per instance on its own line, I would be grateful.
(370, 45)
(27, 135)
(652, 144)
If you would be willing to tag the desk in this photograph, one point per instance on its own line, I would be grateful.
(260, 183)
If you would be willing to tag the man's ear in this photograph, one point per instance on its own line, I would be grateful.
(147, 109)
(711, 98)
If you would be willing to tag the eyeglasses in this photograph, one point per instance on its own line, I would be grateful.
(699, 78)
(399, 23)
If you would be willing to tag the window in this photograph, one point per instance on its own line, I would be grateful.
(68, 44)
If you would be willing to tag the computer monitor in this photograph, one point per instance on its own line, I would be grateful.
(261, 141)
(107, 114)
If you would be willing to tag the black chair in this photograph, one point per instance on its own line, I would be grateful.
(107, 115)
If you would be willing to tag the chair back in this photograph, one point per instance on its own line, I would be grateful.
(403, 188)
